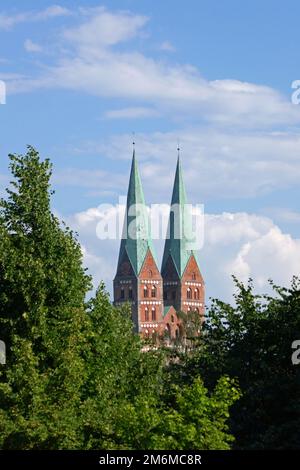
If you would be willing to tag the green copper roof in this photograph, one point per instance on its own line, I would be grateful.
(166, 309)
(179, 232)
(136, 238)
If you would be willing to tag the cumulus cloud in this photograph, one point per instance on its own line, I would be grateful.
(271, 255)
(246, 245)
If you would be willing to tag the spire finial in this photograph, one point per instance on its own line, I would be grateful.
(178, 149)
(133, 140)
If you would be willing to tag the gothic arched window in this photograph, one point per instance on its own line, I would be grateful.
(153, 310)
(145, 291)
(130, 294)
(122, 293)
(196, 294)
(146, 314)
(189, 293)
(153, 291)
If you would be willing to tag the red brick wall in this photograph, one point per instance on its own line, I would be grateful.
(192, 280)
(150, 277)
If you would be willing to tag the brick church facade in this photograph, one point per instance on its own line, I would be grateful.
(157, 295)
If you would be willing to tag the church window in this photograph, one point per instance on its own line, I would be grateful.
(146, 314)
(130, 294)
(153, 313)
(189, 293)
(145, 291)
(122, 293)
(196, 294)
(153, 291)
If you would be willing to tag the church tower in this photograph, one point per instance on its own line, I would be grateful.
(138, 280)
(183, 285)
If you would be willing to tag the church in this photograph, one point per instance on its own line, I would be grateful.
(157, 295)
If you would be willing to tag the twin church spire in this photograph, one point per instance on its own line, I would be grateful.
(179, 227)
(156, 296)
(136, 237)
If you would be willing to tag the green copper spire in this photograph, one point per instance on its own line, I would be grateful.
(179, 227)
(136, 239)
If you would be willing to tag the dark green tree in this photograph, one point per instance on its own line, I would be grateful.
(252, 341)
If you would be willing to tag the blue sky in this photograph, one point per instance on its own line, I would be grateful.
(82, 76)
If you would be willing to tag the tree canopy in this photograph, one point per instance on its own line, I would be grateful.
(252, 342)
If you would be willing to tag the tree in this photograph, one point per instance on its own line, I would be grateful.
(190, 330)
(42, 315)
(251, 341)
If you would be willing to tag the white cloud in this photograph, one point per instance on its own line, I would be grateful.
(271, 255)
(171, 89)
(9, 21)
(243, 244)
(92, 62)
(216, 163)
(167, 47)
(99, 267)
(131, 113)
(31, 46)
(51, 12)
(100, 256)
(247, 245)
(104, 29)
(283, 214)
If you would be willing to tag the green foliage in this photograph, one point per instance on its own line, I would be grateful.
(252, 342)
(77, 377)
(189, 338)
(42, 315)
